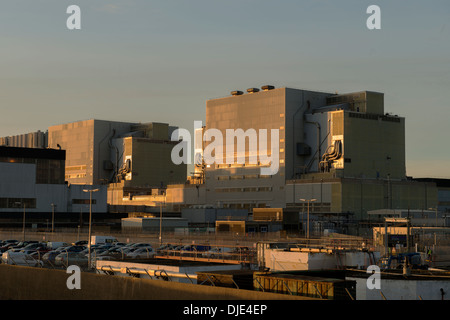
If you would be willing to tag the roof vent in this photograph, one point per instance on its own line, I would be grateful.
(252, 90)
(267, 87)
(236, 93)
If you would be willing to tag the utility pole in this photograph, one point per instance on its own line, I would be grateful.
(90, 223)
(53, 217)
(308, 201)
(23, 231)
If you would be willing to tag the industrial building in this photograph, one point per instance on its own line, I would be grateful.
(88, 147)
(32, 184)
(133, 159)
(36, 139)
(338, 156)
(443, 190)
(101, 152)
(343, 150)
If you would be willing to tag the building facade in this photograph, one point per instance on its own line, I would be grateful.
(36, 139)
(102, 152)
(341, 150)
(88, 147)
(32, 180)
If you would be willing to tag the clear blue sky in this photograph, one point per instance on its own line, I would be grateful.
(143, 60)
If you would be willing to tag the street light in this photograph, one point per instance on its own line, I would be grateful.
(90, 222)
(160, 219)
(307, 224)
(436, 210)
(23, 222)
(53, 216)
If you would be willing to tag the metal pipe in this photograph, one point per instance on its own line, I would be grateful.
(149, 272)
(318, 141)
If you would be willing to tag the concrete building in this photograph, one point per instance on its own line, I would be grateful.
(357, 196)
(36, 139)
(144, 160)
(443, 192)
(140, 224)
(343, 150)
(32, 181)
(242, 185)
(88, 147)
(101, 151)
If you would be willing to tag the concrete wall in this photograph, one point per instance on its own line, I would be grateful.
(18, 180)
(20, 283)
(374, 148)
(87, 146)
(393, 289)
(151, 163)
(262, 110)
(361, 195)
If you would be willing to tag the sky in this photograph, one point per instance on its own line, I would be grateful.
(144, 60)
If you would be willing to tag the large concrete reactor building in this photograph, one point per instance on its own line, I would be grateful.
(342, 150)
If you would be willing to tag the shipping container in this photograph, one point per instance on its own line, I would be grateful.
(304, 285)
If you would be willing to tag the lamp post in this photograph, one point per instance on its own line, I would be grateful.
(90, 223)
(307, 223)
(160, 219)
(436, 210)
(23, 231)
(53, 216)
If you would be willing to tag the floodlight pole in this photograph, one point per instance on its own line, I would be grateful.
(53, 217)
(90, 223)
(24, 221)
(307, 223)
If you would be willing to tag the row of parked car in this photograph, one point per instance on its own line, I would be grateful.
(206, 251)
(35, 253)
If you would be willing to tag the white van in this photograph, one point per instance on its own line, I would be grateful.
(103, 240)
(20, 259)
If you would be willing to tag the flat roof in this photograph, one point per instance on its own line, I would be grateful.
(32, 153)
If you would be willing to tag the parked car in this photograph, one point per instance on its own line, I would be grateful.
(23, 244)
(7, 242)
(114, 253)
(38, 246)
(133, 246)
(165, 248)
(142, 253)
(20, 259)
(74, 248)
(7, 247)
(80, 243)
(217, 253)
(119, 244)
(69, 258)
(49, 257)
(141, 245)
(103, 240)
(53, 245)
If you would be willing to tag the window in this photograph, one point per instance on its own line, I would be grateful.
(15, 203)
(83, 201)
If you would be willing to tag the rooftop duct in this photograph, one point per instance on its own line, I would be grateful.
(252, 90)
(236, 93)
(267, 87)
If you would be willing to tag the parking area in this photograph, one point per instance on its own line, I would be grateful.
(61, 254)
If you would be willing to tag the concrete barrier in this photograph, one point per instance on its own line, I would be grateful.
(20, 283)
